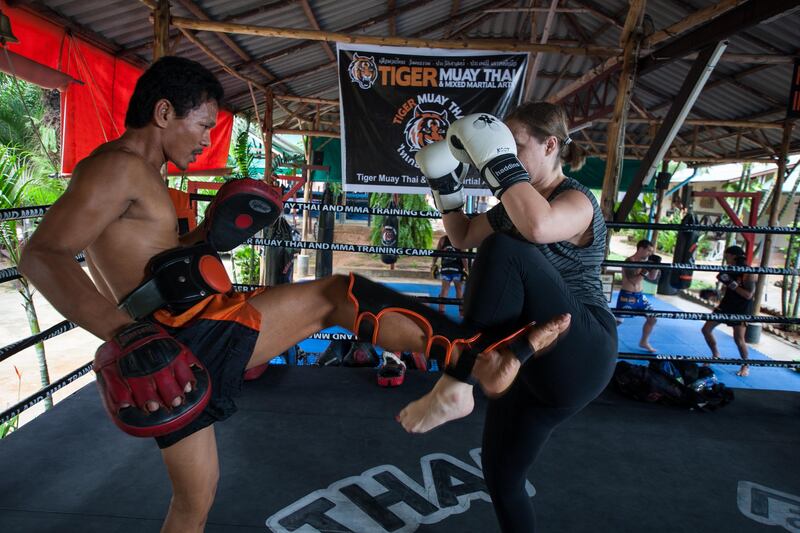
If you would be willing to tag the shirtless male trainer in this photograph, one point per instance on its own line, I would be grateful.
(631, 295)
(177, 340)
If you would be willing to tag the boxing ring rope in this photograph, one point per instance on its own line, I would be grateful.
(43, 393)
(12, 273)
(35, 211)
(425, 252)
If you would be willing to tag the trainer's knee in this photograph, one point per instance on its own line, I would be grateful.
(195, 502)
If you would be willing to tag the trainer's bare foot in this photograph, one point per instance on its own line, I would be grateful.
(744, 371)
(448, 400)
(496, 370)
(646, 346)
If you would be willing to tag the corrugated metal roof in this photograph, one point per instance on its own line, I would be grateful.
(758, 95)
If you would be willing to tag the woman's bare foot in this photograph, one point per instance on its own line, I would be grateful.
(744, 371)
(448, 400)
(646, 346)
(496, 370)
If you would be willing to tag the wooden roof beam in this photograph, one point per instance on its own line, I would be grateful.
(598, 11)
(352, 28)
(733, 22)
(693, 20)
(195, 10)
(312, 19)
(260, 10)
(390, 7)
(455, 6)
(616, 129)
(316, 35)
(533, 66)
(683, 102)
(704, 122)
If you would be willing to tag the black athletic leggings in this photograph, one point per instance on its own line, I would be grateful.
(511, 283)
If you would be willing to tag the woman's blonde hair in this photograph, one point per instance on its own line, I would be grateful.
(545, 120)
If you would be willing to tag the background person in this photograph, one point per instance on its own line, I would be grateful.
(631, 295)
(453, 271)
(737, 298)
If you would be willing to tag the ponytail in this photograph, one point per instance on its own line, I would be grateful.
(573, 155)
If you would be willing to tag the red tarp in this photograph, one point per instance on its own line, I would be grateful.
(94, 112)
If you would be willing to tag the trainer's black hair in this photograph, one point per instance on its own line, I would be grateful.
(644, 243)
(185, 83)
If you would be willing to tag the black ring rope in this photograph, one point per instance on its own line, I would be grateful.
(710, 360)
(43, 393)
(54, 331)
(12, 273)
(19, 213)
(628, 355)
(423, 252)
(779, 230)
(39, 210)
(8, 274)
(64, 326)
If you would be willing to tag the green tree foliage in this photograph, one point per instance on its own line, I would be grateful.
(21, 124)
(412, 232)
(20, 186)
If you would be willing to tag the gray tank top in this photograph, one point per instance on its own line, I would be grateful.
(579, 266)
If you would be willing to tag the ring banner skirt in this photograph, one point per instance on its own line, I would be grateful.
(396, 100)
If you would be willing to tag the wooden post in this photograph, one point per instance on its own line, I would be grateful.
(659, 205)
(616, 129)
(766, 252)
(161, 30)
(307, 192)
(266, 132)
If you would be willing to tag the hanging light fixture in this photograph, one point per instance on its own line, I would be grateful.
(6, 36)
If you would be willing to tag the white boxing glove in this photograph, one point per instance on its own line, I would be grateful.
(486, 142)
(445, 175)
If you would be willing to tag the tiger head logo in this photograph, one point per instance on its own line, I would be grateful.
(363, 71)
(425, 127)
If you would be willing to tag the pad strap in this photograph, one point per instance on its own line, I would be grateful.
(373, 301)
(462, 369)
(517, 343)
(178, 279)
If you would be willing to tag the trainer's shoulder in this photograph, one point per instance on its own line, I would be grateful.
(121, 167)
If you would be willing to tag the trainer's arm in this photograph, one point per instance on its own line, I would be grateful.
(564, 219)
(90, 203)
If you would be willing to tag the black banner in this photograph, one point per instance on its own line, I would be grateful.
(394, 101)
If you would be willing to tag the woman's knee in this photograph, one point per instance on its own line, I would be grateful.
(500, 244)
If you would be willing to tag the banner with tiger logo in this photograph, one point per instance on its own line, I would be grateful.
(396, 100)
